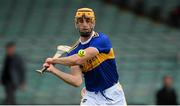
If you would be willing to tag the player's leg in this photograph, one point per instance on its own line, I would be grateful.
(120, 93)
(88, 98)
(115, 93)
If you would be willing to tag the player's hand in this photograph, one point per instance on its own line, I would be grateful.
(50, 67)
(49, 60)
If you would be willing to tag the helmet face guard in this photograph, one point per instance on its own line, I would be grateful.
(85, 12)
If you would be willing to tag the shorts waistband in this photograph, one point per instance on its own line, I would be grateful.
(116, 85)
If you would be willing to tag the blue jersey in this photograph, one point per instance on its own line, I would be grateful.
(100, 72)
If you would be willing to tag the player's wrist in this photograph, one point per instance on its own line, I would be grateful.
(54, 60)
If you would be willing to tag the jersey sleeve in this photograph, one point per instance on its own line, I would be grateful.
(103, 44)
(71, 53)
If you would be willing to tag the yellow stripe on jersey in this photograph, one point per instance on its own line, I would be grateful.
(97, 60)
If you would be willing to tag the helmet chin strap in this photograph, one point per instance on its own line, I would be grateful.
(85, 34)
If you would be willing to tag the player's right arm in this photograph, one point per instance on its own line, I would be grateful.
(73, 78)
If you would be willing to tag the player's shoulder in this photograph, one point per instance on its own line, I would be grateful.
(99, 36)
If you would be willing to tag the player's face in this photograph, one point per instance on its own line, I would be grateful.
(168, 81)
(10, 50)
(85, 26)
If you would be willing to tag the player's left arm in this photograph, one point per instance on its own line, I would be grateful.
(75, 59)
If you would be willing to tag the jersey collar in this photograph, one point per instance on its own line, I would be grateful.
(83, 43)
